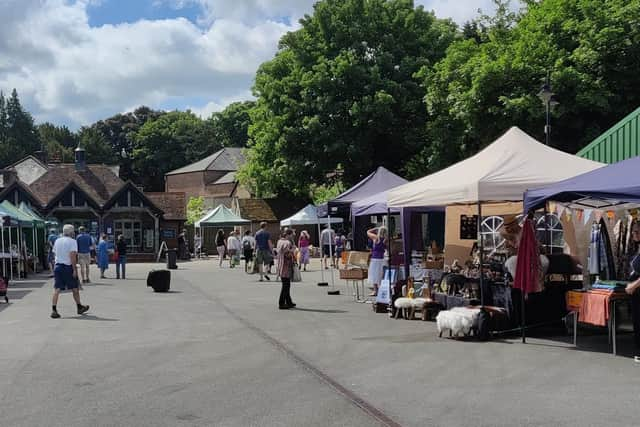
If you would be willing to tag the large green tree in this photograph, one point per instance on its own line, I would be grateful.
(169, 142)
(231, 125)
(18, 134)
(58, 141)
(342, 90)
(490, 81)
(97, 149)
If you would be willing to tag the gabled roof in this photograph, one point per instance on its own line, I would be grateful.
(23, 187)
(620, 142)
(73, 186)
(130, 186)
(29, 157)
(172, 204)
(502, 171)
(227, 159)
(227, 178)
(222, 216)
(99, 182)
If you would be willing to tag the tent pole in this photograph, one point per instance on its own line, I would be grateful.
(4, 266)
(10, 255)
(322, 282)
(34, 230)
(481, 249)
(333, 284)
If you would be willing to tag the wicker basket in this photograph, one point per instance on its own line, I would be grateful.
(354, 274)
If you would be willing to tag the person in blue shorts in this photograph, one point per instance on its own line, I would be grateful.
(65, 271)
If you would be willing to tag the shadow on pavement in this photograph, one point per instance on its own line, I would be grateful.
(313, 310)
(26, 285)
(92, 317)
(4, 305)
(14, 294)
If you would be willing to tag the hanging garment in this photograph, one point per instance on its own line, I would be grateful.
(594, 256)
(528, 267)
(607, 264)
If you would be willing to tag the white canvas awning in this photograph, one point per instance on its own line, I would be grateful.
(503, 171)
(307, 215)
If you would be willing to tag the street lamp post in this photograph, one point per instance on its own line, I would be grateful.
(549, 99)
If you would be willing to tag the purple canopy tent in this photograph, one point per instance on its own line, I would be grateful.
(379, 180)
(612, 186)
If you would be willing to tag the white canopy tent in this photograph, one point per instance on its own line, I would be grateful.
(305, 216)
(501, 172)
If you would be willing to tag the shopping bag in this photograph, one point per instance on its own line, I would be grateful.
(296, 276)
(384, 292)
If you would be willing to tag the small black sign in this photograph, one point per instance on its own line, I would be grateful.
(469, 227)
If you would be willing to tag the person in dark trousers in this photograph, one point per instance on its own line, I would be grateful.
(121, 260)
(264, 250)
(220, 246)
(65, 271)
(633, 289)
(286, 258)
(248, 246)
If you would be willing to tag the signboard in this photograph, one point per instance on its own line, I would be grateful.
(169, 233)
(469, 227)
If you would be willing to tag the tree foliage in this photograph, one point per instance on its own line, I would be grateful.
(168, 142)
(18, 134)
(231, 125)
(195, 209)
(342, 89)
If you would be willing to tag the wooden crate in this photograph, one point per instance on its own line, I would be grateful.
(354, 274)
(574, 299)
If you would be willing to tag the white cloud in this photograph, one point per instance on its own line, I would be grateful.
(70, 73)
(214, 106)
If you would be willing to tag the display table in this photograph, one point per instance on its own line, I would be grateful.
(580, 300)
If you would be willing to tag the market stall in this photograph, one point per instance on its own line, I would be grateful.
(18, 235)
(499, 173)
(220, 217)
(605, 203)
(8, 255)
(308, 216)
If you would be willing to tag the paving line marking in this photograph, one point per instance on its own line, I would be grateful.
(352, 397)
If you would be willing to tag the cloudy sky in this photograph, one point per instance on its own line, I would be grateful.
(77, 61)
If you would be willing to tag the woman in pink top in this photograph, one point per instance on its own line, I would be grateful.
(303, 245)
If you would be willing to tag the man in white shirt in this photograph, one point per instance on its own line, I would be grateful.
(234, 246)
(327, 239)
(65, 271)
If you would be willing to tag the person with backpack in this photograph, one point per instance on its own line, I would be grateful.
(248, 246)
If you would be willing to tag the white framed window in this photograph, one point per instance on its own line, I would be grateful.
(550, 233)
(490, 231)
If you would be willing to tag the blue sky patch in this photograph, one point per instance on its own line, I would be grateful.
(119, 11)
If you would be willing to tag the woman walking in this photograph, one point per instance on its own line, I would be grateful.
(303, 245)
(376, 265)
(102, 255)
(286, 256)
(121, 260)
(248, 246)
(220, 246)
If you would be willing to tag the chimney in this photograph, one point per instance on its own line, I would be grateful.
(81, 164)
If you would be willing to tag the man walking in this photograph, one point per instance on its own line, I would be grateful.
(327, 239)
(65, 271)
(264, 249)
(85, 244)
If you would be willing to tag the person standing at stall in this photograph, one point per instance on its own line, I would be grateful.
(121, 259)
(65, 271)
(85, 244)
(248, 246)
(220, 246)
(286, 258)
(376, 265)
(102, 255)
(303, 244)
(633, 289)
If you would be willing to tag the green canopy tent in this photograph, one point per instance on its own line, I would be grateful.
(39, 235)
(8, 222)
(220, 217)
(25, 221)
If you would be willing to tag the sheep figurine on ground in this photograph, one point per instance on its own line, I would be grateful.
(457, 321)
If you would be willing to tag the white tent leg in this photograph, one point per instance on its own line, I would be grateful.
(10, 255)
(4, 266)
(333, 284)
(35, 250)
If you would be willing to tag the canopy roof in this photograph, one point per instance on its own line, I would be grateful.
(221, 216)
(372, 205)
(23, 218)
(613, 186)
(40, 222)
(379, 180)
(503, 171)
(307, 215)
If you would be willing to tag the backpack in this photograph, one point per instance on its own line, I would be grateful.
(246, 245)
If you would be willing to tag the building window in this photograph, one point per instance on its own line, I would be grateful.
(550, 233)
(490, 230)
(131, 230)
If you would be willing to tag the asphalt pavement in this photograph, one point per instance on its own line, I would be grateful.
(216, 351)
